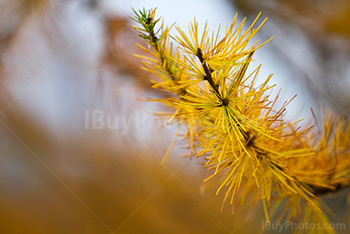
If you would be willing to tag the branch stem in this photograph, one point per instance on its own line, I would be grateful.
(207, 71)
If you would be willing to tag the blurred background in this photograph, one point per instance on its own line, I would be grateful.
(80, 148)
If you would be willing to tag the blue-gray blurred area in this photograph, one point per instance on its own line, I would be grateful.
(64, 63)
(313, 39)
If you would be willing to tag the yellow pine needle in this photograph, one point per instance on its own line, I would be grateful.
(170, 148)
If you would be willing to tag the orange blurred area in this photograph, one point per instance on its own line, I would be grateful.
(89, 187)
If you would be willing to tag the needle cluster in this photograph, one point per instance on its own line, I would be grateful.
(235, 125)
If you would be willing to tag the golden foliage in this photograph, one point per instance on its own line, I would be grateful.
(235, 125)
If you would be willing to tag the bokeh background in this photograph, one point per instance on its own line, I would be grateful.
(62, 62)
